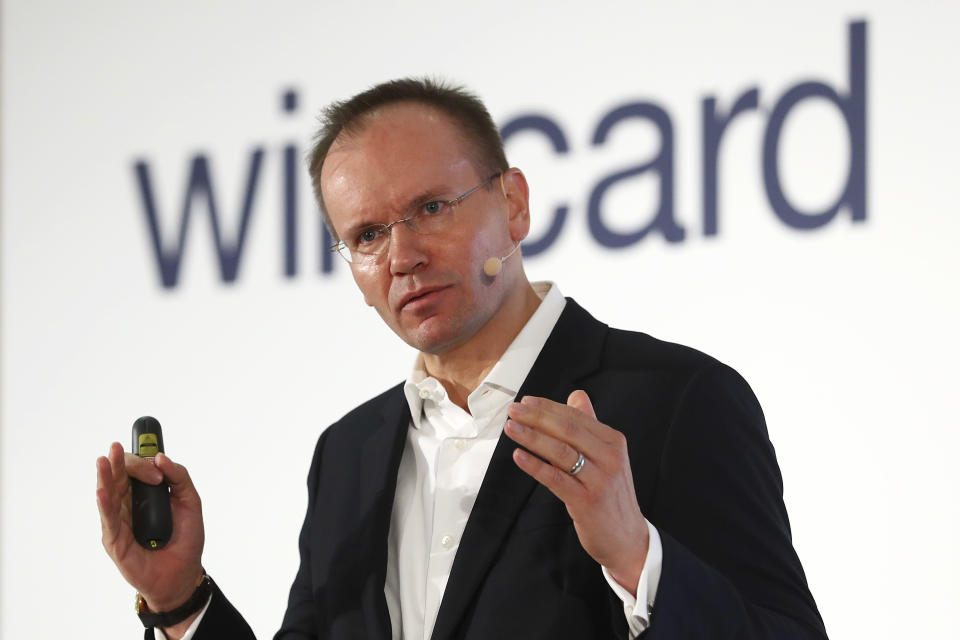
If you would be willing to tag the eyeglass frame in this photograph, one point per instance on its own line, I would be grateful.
(385, 229)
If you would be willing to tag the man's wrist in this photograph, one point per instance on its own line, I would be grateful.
(170, 602)
(638, 601)
(179, 615)
(178, 631)
(628, 575)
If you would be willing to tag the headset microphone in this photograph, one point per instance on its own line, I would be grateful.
(152, 518)
(493, 266)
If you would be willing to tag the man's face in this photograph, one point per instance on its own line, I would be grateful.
(430, 289)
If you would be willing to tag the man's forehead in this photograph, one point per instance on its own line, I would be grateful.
(398, 120)
(409, 137)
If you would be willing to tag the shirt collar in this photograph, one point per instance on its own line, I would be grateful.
(512, 368)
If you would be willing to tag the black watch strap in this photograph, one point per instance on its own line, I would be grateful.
(196, 601)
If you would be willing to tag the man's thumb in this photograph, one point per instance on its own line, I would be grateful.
(580, 400)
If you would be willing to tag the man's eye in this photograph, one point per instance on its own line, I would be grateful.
(367, 236)
(434, 207)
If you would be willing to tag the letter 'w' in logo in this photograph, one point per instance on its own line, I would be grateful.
(199, 185)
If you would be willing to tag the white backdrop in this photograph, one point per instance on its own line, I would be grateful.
(846, 332)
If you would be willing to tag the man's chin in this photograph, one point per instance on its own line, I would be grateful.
(429, 337)
(433, 345)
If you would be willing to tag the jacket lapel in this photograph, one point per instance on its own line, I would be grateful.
(380, 460)
(571, 352)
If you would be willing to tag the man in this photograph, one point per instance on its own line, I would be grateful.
(630, 488)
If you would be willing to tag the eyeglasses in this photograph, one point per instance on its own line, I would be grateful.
(427, 218)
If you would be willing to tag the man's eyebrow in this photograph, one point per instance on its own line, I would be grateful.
(427, 195)
(441, 193)
(354, 229)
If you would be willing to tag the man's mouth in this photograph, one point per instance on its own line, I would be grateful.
(419, 298)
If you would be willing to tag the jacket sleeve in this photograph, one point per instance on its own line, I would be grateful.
(729, 567)
(221, 620)
(299, 621)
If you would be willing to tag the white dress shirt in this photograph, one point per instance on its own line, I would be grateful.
(444, 459)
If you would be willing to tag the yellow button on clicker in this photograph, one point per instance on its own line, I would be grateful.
(149, 446)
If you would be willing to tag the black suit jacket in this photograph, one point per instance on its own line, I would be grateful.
(705, 475)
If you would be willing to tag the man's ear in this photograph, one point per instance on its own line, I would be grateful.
(516, 195)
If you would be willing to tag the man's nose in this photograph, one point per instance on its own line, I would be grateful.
(408, 249)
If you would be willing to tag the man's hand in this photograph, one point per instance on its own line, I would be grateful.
(601, 497)
(165, 577)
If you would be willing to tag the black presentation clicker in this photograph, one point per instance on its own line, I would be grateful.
(152, 518)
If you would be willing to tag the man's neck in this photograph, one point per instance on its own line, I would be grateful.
(462, 368)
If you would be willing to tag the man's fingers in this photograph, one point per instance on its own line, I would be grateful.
(176, 474)
(565, 423)
(560, 483)
(557, 452)
(118, 465)
(143, 469)
(572, 414)
(107, 503)
(124, 465)
(580, 400)
(104, 472)
(181, 485)
(560, 433)
(109, 519)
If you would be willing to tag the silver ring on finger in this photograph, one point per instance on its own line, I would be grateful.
(578, 465)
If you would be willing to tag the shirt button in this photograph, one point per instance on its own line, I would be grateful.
(424, 394)
(447, 542)
(463, 444)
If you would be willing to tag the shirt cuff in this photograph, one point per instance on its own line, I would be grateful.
(637, 610)
(158, 633)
